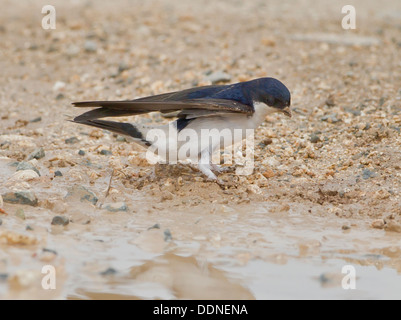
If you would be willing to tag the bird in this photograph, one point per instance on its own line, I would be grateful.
(214, 108)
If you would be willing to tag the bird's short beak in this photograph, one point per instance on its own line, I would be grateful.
(287, 111)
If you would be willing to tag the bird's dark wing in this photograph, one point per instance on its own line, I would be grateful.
(144, 105)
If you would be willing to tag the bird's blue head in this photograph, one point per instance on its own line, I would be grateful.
(271, 92)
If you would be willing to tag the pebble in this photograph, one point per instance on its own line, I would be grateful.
(82, 193)
(330, 101)
(58, 173)
(105, 152)
(332, 118)
(367, 174)
(121, 139)
(254, 189)
(116, 207)
(269, 173)
(218, 76)
(60, 221)
(81, 152)
(393, 226)
(38, 119)
(28, 228)
(23, 165)
(378, 224)
(90, 46)
(108, 272)
(71, 140)
(367, 126)
(354, 112)
(60, 96)
(58, 85)
(167, 235)
(37, 154)
(314, 138)
(122, 67)
(49, 250)
(24, 175)
(21, 197)
(155, 226)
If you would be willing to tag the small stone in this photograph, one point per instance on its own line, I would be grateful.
(20, 214)
(105, 152)
(354, 112)
(60, 221)
(60, 96)
(81, 193)
(167, 235)
(116, 207)
(50, 251)
(367, 126)
(330, 101)
(393, 226)
(345, 227)
(269, 173)
(122, 67)
(378, 224)
(90, 46)
(58, 86)
(71, 140)
(218, 76)
(21, 197)
(121, 139)
(23, 165)
(314, 138)
(28, 228)
(253, 189)
(38, 119)
(155, 226)
(24, 175)
(367, 174)
(81, 152)
(332, 118)
(37, 154)
(58, 173)
(267, 141)
(108, 272)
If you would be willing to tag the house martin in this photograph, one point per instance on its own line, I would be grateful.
(240, 106)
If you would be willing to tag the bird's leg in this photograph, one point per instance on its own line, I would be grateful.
(204, 165)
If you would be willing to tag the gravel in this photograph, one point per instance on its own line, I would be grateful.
(23, 165)
(60, 221)
(20, 197)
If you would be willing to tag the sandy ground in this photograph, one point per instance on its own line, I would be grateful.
(325, 191)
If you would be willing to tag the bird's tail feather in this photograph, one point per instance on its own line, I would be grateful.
(136, 132)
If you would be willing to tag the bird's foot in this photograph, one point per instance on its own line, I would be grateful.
(219, 169)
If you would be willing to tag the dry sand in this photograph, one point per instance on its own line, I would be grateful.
(325, 191)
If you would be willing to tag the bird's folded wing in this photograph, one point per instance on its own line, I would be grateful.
(135, 107)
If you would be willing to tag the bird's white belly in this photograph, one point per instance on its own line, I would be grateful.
(207, 133)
